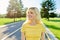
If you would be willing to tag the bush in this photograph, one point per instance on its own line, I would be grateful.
(52, 15)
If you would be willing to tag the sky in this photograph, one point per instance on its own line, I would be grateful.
(27, 3)
(32, 3)
(3, 6)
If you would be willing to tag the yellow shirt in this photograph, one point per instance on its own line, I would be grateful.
(32, 32)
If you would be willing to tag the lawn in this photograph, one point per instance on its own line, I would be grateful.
(4, 21)
(54, 25)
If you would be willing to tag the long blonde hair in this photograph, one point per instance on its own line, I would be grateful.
(36, 11)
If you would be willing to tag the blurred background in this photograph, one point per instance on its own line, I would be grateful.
(15, 10)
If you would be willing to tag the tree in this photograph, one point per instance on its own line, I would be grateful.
(47, 5)
(2, 15)
(24, 14)
(59, 15)
(14, 9)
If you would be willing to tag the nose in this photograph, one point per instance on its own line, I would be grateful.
(29, 15)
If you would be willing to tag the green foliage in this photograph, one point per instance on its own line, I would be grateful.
(47, 5)
(2, 15)
(53, 15)
(24, 12)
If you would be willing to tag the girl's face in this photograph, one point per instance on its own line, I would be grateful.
(31, 15)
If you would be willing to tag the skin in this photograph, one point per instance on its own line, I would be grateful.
(31, 17)
(22, 36)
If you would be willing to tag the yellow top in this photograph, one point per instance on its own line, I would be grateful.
(32, 32)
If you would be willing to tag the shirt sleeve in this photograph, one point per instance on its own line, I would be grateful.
(23, 28)
(43, 29)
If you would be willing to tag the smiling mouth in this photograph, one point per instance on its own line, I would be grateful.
(30, 16)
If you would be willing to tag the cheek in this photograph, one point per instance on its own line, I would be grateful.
(29, 16)
(33, 16)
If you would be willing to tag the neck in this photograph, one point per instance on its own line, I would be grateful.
(33, 22)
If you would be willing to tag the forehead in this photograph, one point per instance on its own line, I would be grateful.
(30, 10)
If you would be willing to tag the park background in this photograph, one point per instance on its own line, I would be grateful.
(15, 10)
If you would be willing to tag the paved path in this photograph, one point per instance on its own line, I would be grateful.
(50, 34)
(12, 32)
(8, 29)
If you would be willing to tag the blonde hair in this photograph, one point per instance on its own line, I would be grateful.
(36, 11)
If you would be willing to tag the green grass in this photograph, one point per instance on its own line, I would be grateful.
(4, 21)
(54, 25)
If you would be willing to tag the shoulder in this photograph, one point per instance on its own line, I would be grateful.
(24, 24)
(42, 26)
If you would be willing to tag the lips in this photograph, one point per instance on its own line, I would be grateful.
(29, 16)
